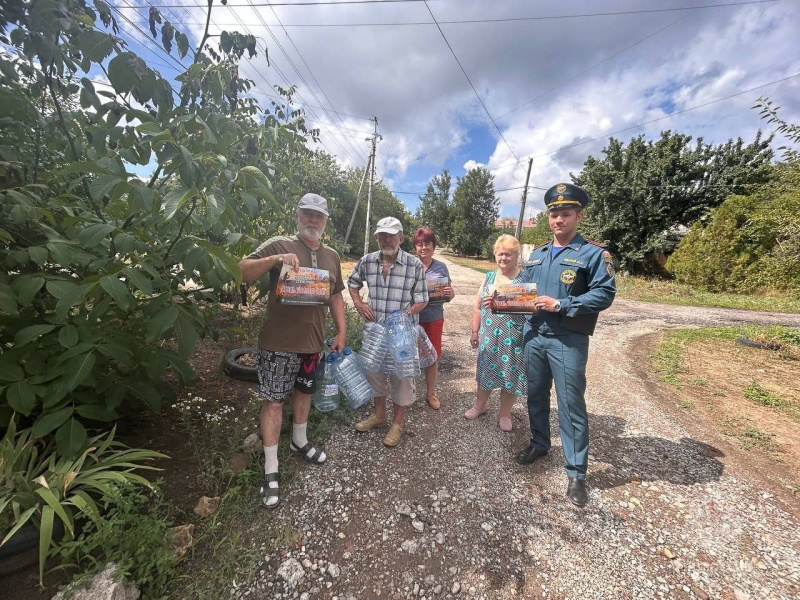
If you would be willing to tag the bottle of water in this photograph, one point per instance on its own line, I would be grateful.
(373, 346)
(427, 353)
(408, 369)
(402, 335)
(327, 395)
(352, 380)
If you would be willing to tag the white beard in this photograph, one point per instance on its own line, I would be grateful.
(312, 235)
(389, 251)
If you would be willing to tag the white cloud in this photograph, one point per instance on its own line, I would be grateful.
(587, 78)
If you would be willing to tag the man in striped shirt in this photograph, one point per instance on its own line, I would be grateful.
(396, 281)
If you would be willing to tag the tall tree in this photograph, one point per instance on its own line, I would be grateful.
(645, 193)
(435, 208)
(475, 210)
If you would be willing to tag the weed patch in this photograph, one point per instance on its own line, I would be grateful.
(759, 395)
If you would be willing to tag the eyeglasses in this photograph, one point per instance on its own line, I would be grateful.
(424, 244)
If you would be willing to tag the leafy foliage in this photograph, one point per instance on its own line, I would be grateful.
(644, 193)
(540, 234)
(475, 210)
(750, 242)
(107, 279)
(790, 131)
(40, 487)
(435, 208)
(134, 534)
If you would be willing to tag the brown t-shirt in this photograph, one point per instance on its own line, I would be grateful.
(292, 328)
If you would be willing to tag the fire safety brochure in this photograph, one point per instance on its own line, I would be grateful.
(305, 286)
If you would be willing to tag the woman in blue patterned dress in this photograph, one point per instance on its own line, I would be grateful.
(498, 339)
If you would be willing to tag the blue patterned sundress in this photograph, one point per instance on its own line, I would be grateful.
(500, 353)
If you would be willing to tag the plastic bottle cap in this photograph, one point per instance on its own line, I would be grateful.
(347, 351)
(332, 356)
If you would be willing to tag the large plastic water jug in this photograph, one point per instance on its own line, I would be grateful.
(407, 369)
(427, 353)
(402, 336)
(373, 346)
(352, 380)
(327, 395)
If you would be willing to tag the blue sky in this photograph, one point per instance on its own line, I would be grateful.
(542, 79)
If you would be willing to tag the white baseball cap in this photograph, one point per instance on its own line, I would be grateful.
(313, 202)
(389, 225)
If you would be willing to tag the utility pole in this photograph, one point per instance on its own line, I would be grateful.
(524, 198)
(358, 198)
(375, 137)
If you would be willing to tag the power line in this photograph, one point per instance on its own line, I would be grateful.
(310, 3)
(503, 19)
(672, 114)
(477, 95)
(308, 68)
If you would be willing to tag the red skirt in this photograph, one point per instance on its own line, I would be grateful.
(434, 331)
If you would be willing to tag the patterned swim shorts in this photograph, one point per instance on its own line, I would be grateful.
(281, 372)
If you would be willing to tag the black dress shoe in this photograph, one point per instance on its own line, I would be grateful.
(530, 454)
(576, 492)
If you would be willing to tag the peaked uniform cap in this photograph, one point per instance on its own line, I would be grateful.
(389, 225)
(313, 202)
(565, 195)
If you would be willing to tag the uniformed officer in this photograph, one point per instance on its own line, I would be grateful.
(575, 281)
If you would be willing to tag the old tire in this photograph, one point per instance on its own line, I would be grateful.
(760, 345)
(233, 368)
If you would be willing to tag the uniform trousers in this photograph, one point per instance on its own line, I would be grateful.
(559, 359)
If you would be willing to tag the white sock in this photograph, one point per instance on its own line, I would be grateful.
(299, 438)
(271, 461)
(299, 434)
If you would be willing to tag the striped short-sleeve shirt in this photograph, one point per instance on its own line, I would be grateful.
(403, 286)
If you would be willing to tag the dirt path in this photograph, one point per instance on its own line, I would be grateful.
(449, 514)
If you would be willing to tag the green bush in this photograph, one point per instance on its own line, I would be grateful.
(40, 486)
(750, 242)
(135, 534)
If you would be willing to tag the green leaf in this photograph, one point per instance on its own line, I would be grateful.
(8, 304)
(123, 243)
(21, 397)
(96, 412)
(79, 369)
(23, 518)
(187, 337)
(11, 372)
(121, 73)
(118, 291)
(30, 333)
(38, 255)
(231, 262)
(49, 421)
(150, 395)
(68, 336)
(138, 279)
(50, 498)
(82, 167)
(26, 288)
(102, 185)
(175, 199)
(183, 44)
(183, 369)
(256, 173)
(161, 322)
(70, 438)
(45, 537)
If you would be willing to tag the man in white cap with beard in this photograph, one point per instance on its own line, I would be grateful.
(292, 336)
(396, 281)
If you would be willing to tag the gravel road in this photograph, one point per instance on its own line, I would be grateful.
(449, 514)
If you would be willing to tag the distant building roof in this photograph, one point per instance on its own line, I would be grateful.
(512, 223)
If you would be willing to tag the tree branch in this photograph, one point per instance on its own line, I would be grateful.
(180, 231)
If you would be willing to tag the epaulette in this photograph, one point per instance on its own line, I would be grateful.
(598, 244)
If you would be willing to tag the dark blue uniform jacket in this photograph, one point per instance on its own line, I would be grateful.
(581, 277)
